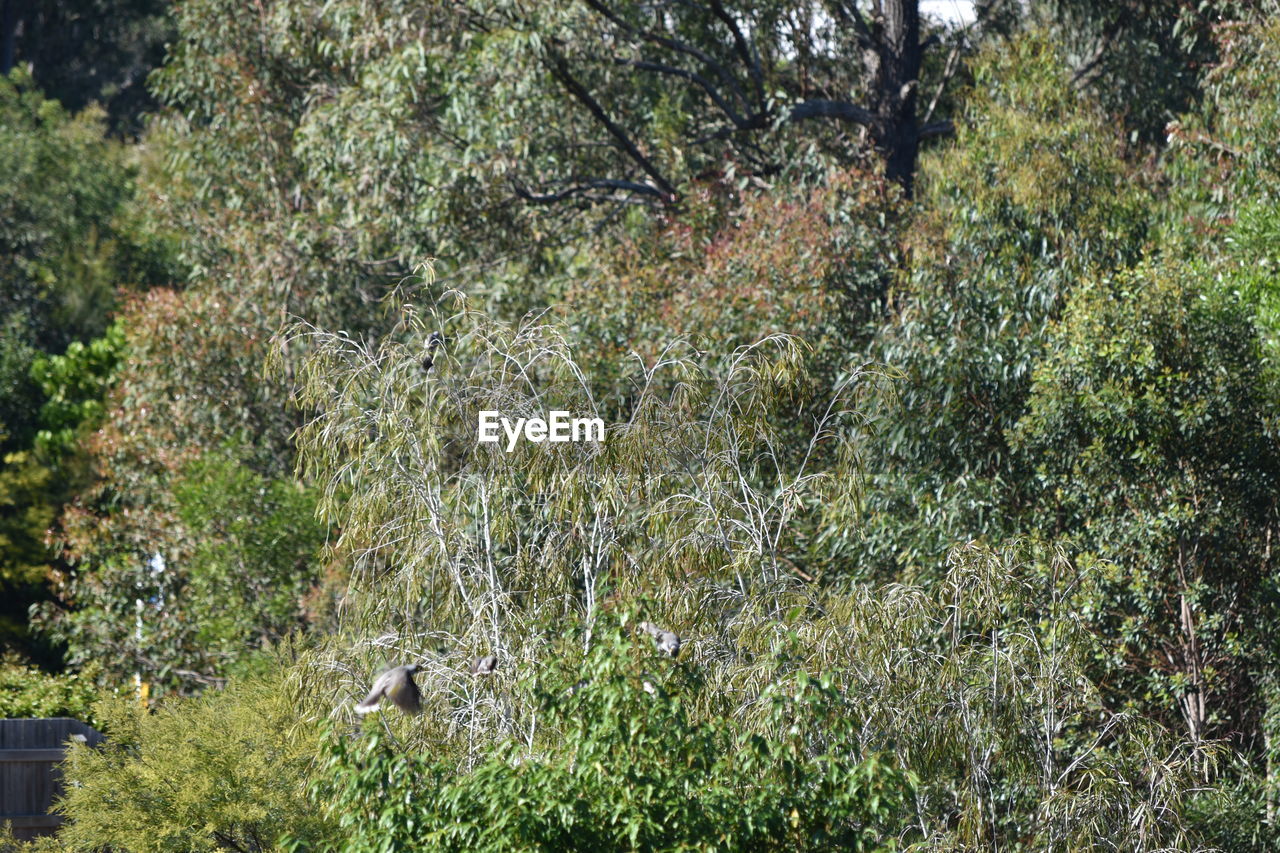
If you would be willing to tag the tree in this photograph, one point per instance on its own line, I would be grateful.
(37, 481)
(1150, 429)
(686, 86)
(1034, 195)
(691, 514)
(1222, 178)
(227, 566)
(69, 240)
(61, 240)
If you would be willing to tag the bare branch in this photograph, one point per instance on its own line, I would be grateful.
(1088, 70)
(820, 108)
(949, 71)
(560, 70)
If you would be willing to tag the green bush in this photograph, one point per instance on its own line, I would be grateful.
(224, 771)
(618, 762)
(1151, 429)
(28, 692)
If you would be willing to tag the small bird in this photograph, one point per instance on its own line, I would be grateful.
(666, 642)
(397, 686)
(485, 665)
(432, 342)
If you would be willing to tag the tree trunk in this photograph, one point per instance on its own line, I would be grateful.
(896, 73)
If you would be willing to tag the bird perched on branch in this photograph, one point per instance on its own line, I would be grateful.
(433, 342)
(485, 665)
(667, 642)
(397, 686)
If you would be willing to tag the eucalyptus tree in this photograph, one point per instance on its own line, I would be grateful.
(1034, 195)
(679, 89)
(392, 133)
(962, 715)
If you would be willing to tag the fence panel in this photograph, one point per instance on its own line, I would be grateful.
(29, 779)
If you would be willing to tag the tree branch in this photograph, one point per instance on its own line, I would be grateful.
(937, 128)
(582, 189)
(850, 12)
(560, 70)
(748, 56)
(820, 108)
(1084, 75)
(676, 45)
(693, 77)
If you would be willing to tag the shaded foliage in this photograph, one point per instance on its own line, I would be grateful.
(86, 51)
(1142, 59)
(59, 200)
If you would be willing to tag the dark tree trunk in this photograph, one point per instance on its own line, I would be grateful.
(896, 60)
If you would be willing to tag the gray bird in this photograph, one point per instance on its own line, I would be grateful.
(485, 665)
(432, 342)
(397, 686)
(666, 642)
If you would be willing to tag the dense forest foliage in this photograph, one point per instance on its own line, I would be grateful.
(939, 360)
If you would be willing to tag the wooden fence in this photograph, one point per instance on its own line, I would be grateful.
(29, 777)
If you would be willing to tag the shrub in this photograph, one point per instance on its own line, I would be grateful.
(618, 762)
(27, 692)
(223, 771)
